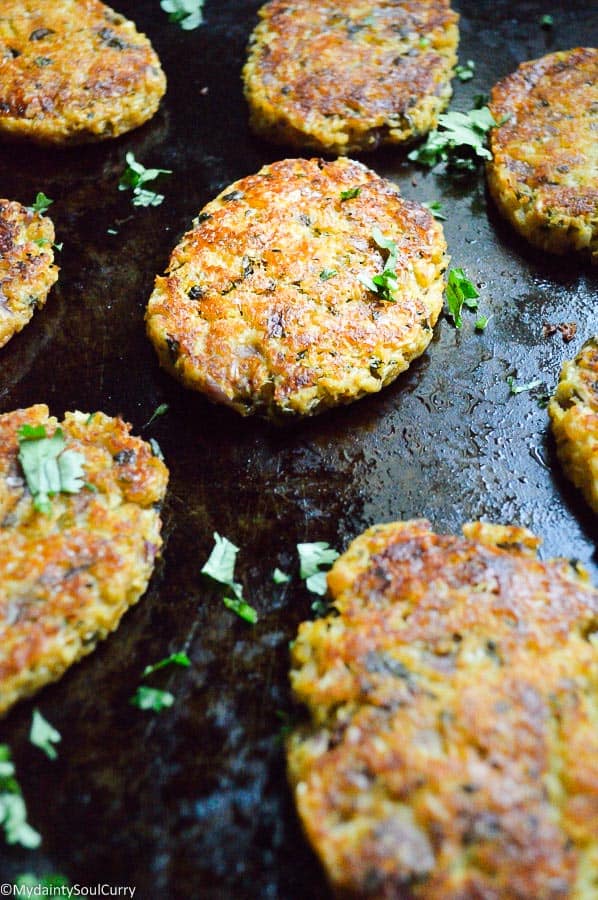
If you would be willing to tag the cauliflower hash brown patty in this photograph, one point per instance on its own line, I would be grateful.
(73, 71)
(543, 172)
(262, 307)
(67, 576)
(574, 414)
(452, 752)
(27, 271)
(340, 76)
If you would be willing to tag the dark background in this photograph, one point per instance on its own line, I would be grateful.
(193, 802)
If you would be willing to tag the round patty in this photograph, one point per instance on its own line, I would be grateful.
(69, 573)
(73, 71)
(452, 752)
(341, 76)
(27, 271)
(574, 414)
(263, 308)
(543, 171)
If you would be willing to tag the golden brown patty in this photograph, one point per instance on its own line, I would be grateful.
(67, 577)
(73, 71)
(574, 414)
(26, 265)
(263, 309)
(543, 175)
(453, 750)
(341, 76)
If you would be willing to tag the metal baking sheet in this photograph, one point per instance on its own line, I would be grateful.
(193, 802)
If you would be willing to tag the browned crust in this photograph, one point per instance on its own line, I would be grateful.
(73, 71)
(67, 577)
(452, 752)
(340, 76)
(27, 271)
(543, 172)
(245, 316)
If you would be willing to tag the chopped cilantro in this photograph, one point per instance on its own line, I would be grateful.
(385, 284)
(325, 274)
(135, 176)
(152, 698)
(221, 567)
(42, 881)
(13, 812)
(188, 13)
(521, 388)
(160, 410)
(481, 323)
(351, 193)
(311, 558)
(41, 204)
(466, 71)
(43, 735)
(175, 659)
(49, 468)
(43, 242)
(424, 42)
(461, 140)
(460, 292)
(435, 207)
(547, 21)
(280, 577)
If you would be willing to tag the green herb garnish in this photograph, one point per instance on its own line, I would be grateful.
(311, 559)
(13, 812)
(351, 193)
(175, 659)
(460, 292)
(521, 388)
(188, 13)
(42, 203)
(220, 566)
(43, 735)
(466, 71)
(435, 207)
(325, 274)
(280, 577)
(547, 21)
(385, 284)
(481, 323)
(159, 411)
(135, 176)
(152, 698)
(461, 140)
(49, 468)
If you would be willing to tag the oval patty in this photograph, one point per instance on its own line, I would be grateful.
(543, 172)
(68, 574)
(73, 71)
(452, 750)
(27, 271)
(574, 415)
(340, 76)
(263, 307)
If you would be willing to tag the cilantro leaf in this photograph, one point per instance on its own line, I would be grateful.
(49, 468)
(188, 13)
(312, 556)
(351, 193)
(175, 659)
(43, 735)
(385, 284)
(481, 323)
(460, 292)
(521, 388)
(435, 207)
(160, 410)
(241, 608)
(547, 21)
(41, 204)
(221, 567)
(460, 140)
(466, 71)
(280, 577)
(13, 812)
(135, 176)
(152, 698)
(326, 274)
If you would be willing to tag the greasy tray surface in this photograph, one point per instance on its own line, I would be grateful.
(193, 802)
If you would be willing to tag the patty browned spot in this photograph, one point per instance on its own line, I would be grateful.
(27, 270)
(452, 748)
(340, 76)
(543, 174)
(73, 71)
(68, 574)
(263, 307)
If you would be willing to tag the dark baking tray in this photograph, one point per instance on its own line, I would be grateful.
(193, 802)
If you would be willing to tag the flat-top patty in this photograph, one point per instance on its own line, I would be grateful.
(574, 414)
(68, 575)
(341, 76)
(73, 71)
(544, 171)
(453, 751)
(27, 270)
(263, 308)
